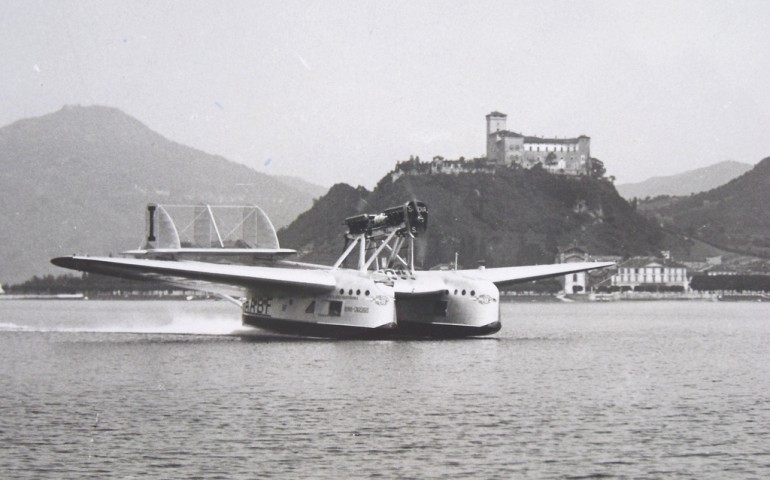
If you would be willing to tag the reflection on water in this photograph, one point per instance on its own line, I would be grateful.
(564, 390)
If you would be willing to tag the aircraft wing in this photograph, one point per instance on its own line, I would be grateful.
(510, 275)
(236, 280)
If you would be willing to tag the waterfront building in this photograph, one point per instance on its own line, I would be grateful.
(584, 282)
(645, 273)
(721, 271)
(574, 282)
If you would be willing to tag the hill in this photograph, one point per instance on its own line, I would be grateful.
(512, 217)
(693, 181)
(77, 180)
(311, 189)
(733, 217)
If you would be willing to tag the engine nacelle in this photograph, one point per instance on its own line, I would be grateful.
(410, 219)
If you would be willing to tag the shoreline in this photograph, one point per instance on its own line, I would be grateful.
(504, 297)
(636, 297)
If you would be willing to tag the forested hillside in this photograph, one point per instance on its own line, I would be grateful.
(734, 217)
(512, 217)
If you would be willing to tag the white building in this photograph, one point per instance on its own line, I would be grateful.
(569, 156)
(649, 272)
(573, 282)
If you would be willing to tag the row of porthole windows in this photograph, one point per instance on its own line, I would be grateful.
(350, 292)
(358, 292)
(462, 292)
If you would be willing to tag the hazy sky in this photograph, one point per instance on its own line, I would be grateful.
(338, 91)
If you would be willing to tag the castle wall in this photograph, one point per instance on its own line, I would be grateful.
(511, 150)
(567, 157)
(556, 155)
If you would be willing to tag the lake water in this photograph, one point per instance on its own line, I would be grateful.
(181, 390)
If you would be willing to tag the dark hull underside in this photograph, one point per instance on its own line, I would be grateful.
(432, 330)
(404, 330)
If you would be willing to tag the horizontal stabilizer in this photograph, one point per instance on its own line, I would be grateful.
(209, 226)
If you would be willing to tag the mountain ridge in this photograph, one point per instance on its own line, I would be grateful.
(77, 180)
(685, 183)
(733, 216)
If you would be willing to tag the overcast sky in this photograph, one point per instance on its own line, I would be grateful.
(338, 91)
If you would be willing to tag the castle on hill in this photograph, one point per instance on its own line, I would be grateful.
(565, 156)
(570, 156)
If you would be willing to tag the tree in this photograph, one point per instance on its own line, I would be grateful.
(597, 168)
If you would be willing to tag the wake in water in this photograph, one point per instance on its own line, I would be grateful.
(194, 318)
(12, 327)
(178, 326)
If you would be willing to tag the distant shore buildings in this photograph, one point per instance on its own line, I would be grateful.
(650, 273)
(583, 282)
(660, 275)
(508, 149)
(643, 274)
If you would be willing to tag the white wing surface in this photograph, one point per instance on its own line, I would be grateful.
(236, 280)
(511, 275)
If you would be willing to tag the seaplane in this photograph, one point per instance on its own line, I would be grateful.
(372, 291)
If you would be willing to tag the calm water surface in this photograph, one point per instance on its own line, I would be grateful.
(180, 389)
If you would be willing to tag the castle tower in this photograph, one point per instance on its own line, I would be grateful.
(584, 150)
(495, 123)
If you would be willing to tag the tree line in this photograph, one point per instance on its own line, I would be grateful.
(88, 284)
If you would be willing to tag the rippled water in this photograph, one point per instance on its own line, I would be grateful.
(180, 389)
